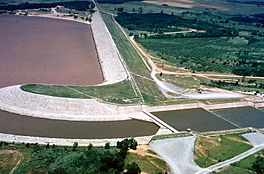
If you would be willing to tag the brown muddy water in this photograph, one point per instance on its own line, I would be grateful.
(243, 116)
(30, 126)
(44, 50)
(196, 119)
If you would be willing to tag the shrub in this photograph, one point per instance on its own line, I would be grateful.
(133, 168)
(107, 145)
(258, 165)
(75, 145)
(90, 146)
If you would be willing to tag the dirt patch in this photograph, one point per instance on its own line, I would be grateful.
(44, 50)
(144, 150)
(9, 159)
(205, 144)
(3, 152)
(236, 139)
(141, 150)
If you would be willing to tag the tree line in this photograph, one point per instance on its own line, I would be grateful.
(161, 22)
(77, 5)
(53, 159)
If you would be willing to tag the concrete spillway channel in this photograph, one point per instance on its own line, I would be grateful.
(202, 120)
(242, 117)
(196, 119)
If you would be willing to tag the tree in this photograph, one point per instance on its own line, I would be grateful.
(133, 144)
(123, 152)
(90, 146)
(107, 145)
(120, 9)
(140, 9)
(127, 143)
(75, 145)
(59, 170)
(133, 168)
(258, 165)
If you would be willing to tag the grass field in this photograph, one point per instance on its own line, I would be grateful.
(8, 161)
(121, 93)
(210, 150)
(198, 82)
(148, 163)
(244, 166)
(204, 54)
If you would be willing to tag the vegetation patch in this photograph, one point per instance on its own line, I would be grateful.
(210, 150)
(161, 22)
(249, 165)
(180, 134)
(118, 93)
(8, 160)
(197, 82)
(208, 54)
(54, 159)
(148, 161)
(207, 41)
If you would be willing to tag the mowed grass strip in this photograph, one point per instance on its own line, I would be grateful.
(210, 150)
(117, 93)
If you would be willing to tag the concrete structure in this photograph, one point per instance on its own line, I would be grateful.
(111, 64)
